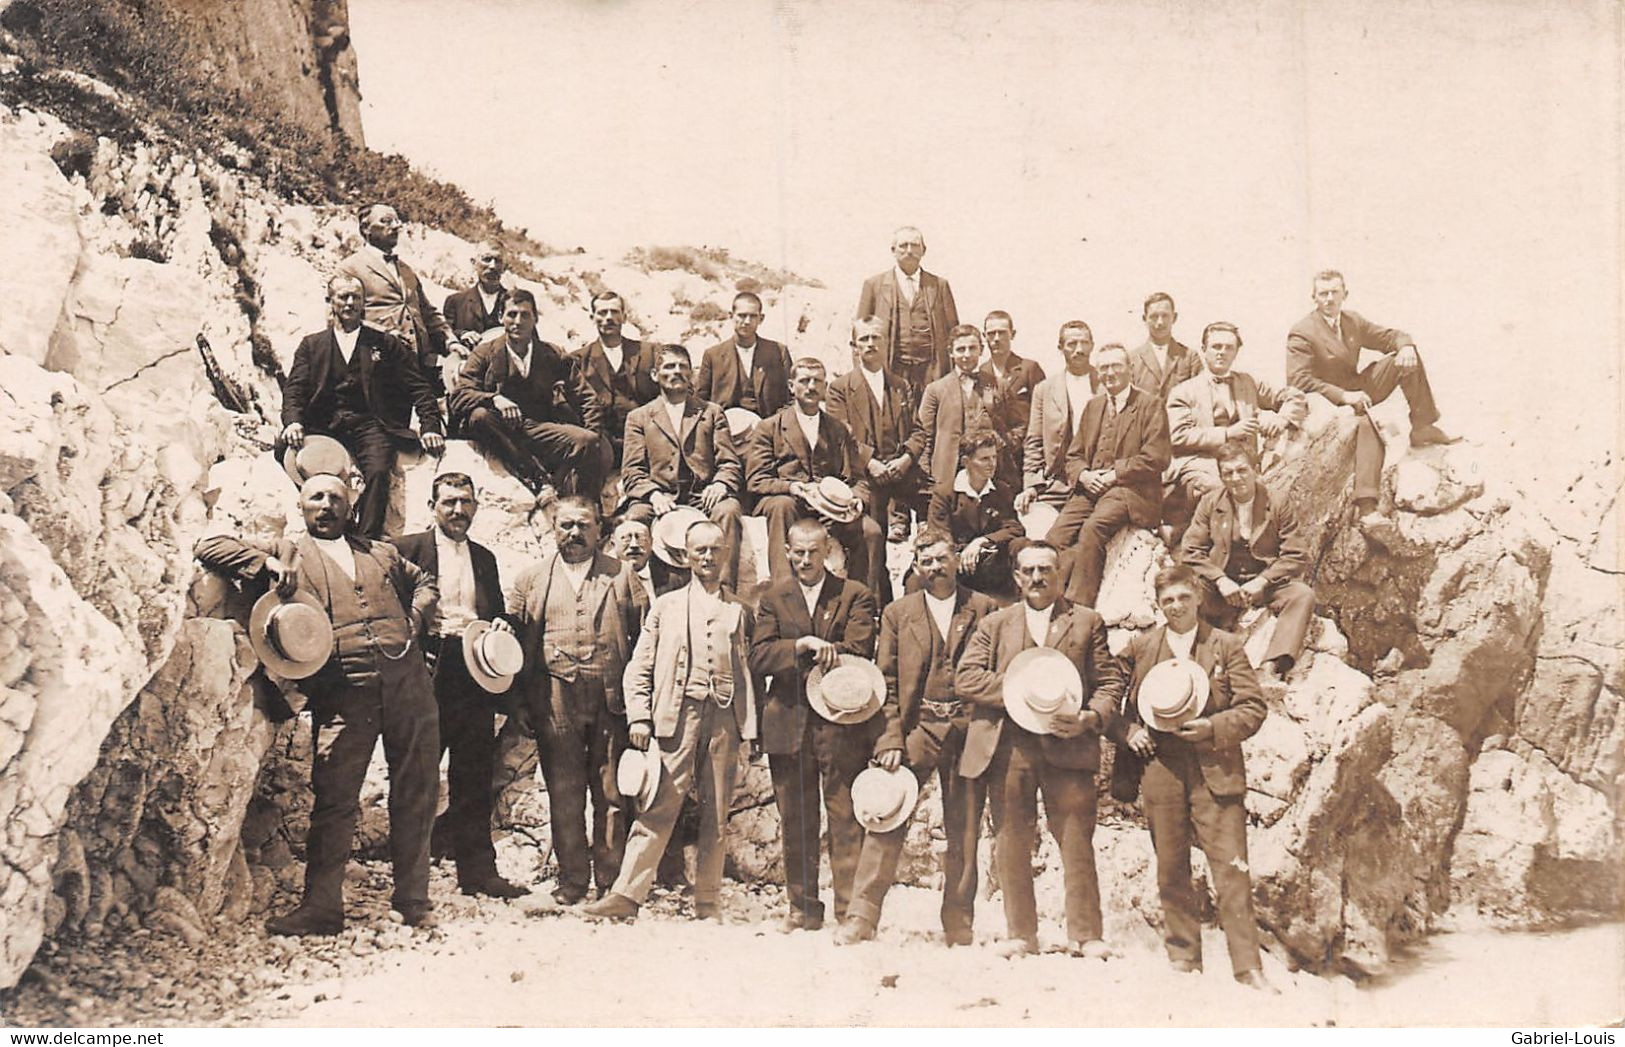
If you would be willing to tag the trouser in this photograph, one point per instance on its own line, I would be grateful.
(1091, 522)
(726, 514)
(705, 745)
(831, 756)
(1177, 802)
(1015, 777)
(862, 539)
(570, 457)
(963, 800)
(468, 730)
(915, 377)
(1291, 601)
(1378, 381)
(891, 504)
(348, 723)
(373, 451)
(578, 741)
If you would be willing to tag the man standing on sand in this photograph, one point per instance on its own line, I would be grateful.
(918, 310)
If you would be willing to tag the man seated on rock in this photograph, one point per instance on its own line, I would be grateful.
(746, 370)
(1114, 468)
(1057, 407)
(922, 639)
(475, 312)
(577, 620)
(1248, 548)
(1195, 780)
(375, 682)
(979, 514)
(689, 692)
(963, 401)
(808, 618)
(1220, 406)
(395, 298)
(522, 401)
(1323, 356)
(618, 370)
(1161, 361)
(342, 384)
(1015, 378)
(1059, 758)
(678, 451)
(789, 454)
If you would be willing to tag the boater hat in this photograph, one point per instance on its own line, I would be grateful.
(1172, 693)
(318, 454)
(292, 637)
(493, 656)
(741, 421)
(670, 534)
(833, 497)
(882, 800)
(1038, 519)
(637, 775)
(1041, 682)
(849, 693)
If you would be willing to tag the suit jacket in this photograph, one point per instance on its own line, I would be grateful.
(844, 614)
(1077, 632)
(1319, 361)
(1184, 363)
(849, 400)
(465, 310)
(1235, 703)
(1139, 454)
(637, 359)
(1015, 394)
(616, 619)
(650, 459)
(720, 381)
(552, 380)
(881, 298)
(398, 303)
(390, 379)
(665, 578)
(1190, 410)
(905, 657)
(967, 517)
(1275, 541)
(422, 549)
(778, 455)
(1044, 445)
(658, 673)
(942, 420)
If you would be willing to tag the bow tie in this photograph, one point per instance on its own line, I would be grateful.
(391, 258)
(1222, 379)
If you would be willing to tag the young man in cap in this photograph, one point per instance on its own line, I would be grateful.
(746, 370)
(375, 683)
(1017, 764)
(470, 587)
(1196, 779)
(808, 620)
(689, 692)
(678, 451)
(922, 639)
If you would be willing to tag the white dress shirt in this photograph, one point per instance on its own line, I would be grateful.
(346, 341)
(675, 413)
(615, 356)
(1181, 643)
(647, 581)
(1120, 401)
(1077, 393)
(487, 300)
(908, 286)
(747, 357)
(576, 572)
(1160, 353)
(962, 485)
(877, 383)
(1335, 324)
(1038, 623)
(392, 267)
(1244, 518)
(520, 365)
(338, 550)
(456, 584)
(809, 426)
(811, 596)
(942, 612)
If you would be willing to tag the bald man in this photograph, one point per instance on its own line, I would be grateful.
(918, 310)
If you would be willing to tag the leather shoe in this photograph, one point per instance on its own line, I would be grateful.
(1186, 966)
(1010, 948)
(1254, 979)
(854, 930)
(417, 914)
(493, 886)
(796, 920)
(569, 895)
(959, 937)
(612, 906)
(1093, 949)
(708, 911)
(1431, 436)
(304, 922)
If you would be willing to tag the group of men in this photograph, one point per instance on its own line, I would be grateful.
(622, 652)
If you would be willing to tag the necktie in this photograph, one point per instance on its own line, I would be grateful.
(391, 258)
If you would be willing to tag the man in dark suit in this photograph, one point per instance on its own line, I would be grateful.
(577, 620)
(918, 310)
(922, 639)
(477, 310)
(521, 399)
(395, 298)
(960, 402)
(619, 371)
(1015, 378)
(1114, 468)
(1018, 764)
(341, 384)
(679, 452)
(811, 617)
(746, 370)
(872, 402)
(1161, 361)
(1323, 356)
(373, 684)
(1057, 407)
(789, 453)
(465, 572)
(1196, 778)
(1246, 545)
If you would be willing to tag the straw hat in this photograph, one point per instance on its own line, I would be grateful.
(1040, 683)
(849, 693)
(493, 656)
(1173, 692)
(834, 498)
(741, 422)
(883, 800)
(292, 637)
(318, 454)
(670, 534)
(637, 776)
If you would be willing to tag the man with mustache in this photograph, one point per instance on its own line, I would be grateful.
(476, 311)
(1016, 378)
(918, 311)
(619, 371)
(1057, 408)
(375, 683)
(395, 298)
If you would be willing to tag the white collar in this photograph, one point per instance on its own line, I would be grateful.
(1181, 644)
(1120, 401)
(1038, 622)
(615, 356)
(747, 350)
(1336, 325)
(346, 340)
(442, 538)
(379, 255)
(903, 279)
(962, 485)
